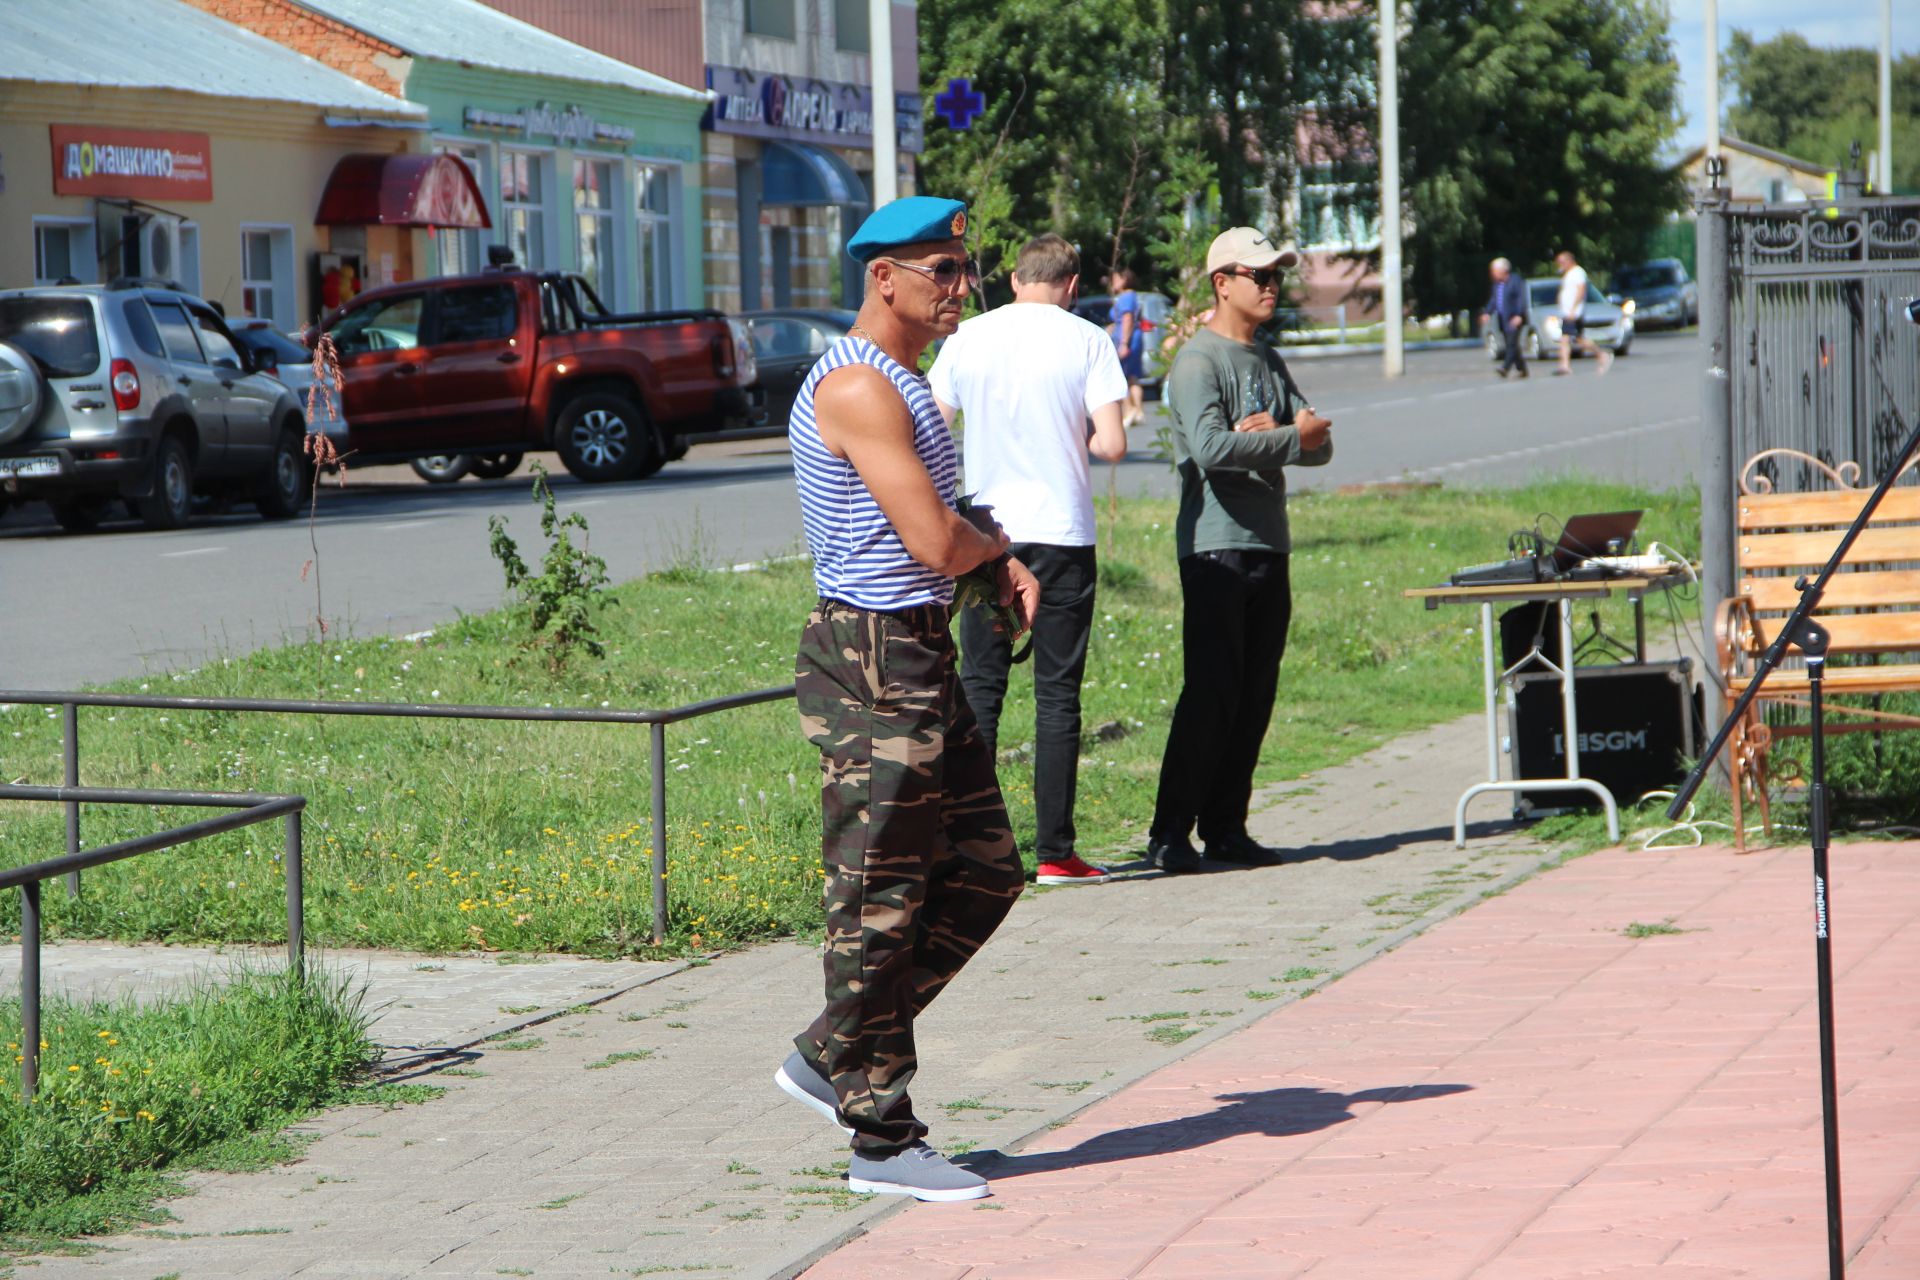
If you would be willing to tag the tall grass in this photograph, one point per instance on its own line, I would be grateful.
(130, 1091)
(445, 835)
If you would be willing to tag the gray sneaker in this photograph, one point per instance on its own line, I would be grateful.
(919, 1171)
(799, 1081)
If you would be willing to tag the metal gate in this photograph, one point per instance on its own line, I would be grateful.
(1808, 348)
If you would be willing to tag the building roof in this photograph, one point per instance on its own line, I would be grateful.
(173, 46)
(466, 31)
(1781, 158)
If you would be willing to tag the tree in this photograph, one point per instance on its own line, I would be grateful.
(1529, 126)
(1815, 103)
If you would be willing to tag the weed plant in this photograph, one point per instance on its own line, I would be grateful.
(132, 1094)
(446, 835)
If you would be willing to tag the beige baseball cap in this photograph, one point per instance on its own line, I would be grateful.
(1246, 247)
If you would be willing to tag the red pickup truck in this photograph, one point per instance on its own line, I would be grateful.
(509, 361)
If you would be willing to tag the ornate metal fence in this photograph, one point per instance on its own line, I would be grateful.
(1808, 348)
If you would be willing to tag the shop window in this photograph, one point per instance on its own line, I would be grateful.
(1337, 207)
(266, 275)
(523, 207)
(593, 220)
(63, 251)
(770, 18)
(852, 33)
(457, 250)
(653, 188)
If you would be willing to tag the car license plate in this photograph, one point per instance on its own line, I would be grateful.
(41, 466)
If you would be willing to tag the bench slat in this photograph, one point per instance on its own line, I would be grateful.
(1811, 549)
(1845, 590)
(1858, 632)
(1794, 510)
(1890, 678)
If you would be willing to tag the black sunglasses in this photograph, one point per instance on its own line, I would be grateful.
(945, 273)
(1261, 278)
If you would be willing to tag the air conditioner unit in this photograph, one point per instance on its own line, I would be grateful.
(160, 248)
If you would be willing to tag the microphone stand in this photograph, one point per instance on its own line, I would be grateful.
(1801, 631)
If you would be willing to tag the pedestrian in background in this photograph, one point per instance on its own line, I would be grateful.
(1028, 376)
(918, 854)
(1127, 323)
(1238, 422)
(1573, 304)
(1507, 311)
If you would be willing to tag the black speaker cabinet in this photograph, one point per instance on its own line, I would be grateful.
(1639, 725)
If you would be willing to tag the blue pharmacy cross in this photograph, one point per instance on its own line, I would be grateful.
(960, 105)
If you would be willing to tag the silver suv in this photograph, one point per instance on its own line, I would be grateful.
(138, 392)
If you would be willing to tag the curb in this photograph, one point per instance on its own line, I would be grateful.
(1320, 352)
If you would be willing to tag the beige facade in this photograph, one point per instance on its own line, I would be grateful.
(1759, 174)
(252, 246)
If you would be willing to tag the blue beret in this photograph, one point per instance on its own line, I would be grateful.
(908, 220)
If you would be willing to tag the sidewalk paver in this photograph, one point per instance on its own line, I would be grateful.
(1524, 1092)
(566, 1159)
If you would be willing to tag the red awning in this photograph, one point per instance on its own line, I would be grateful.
(402, 191)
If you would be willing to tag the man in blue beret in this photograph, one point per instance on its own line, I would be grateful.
(917, 850)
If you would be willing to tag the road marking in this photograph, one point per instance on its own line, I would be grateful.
(1452, 395)
(1392, 404)
(197, 551)
(587, 502)
(1534, 450)
(408, 524)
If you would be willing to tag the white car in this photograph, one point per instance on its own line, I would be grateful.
(1607, 325)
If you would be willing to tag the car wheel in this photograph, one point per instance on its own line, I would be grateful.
(604, 437)
(442, 468)
(288, 483)
(22, 392)
(80, 515)
(1532, 344)
(1625, 346)
(493, 466)
(171, 501)
(1493, 345)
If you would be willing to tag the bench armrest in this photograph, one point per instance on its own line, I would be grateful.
(1735, 638)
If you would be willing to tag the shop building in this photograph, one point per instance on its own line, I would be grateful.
(143, 138)
(788, 142)
(583, 163)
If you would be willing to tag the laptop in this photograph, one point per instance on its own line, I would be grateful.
(1584, 537)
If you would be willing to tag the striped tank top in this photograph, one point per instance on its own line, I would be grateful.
(857, 557)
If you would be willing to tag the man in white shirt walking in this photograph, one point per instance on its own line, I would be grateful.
(1027, 377)
(1573, 306)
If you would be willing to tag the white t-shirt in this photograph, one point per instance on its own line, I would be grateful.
(1027, 376)
(1573, 293)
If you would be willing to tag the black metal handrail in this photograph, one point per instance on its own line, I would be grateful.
(657, 721)
(248, 809)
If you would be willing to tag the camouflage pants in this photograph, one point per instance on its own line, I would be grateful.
(918, 854)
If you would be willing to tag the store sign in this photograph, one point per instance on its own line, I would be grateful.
(759, 105)
(567, 126)
(140, 164)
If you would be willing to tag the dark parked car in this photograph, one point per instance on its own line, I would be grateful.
(786, 344)
(1662, 293)
(138, 392)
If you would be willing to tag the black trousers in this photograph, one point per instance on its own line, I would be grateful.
(1510, 335)
(1238, 605)
(1060, 629)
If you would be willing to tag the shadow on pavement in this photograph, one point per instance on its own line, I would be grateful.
(1272, 1113)
(1372, 846)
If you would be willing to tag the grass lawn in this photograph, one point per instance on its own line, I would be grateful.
(131, 1095)
(442, 835)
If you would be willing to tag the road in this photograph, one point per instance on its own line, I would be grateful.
(395, 556)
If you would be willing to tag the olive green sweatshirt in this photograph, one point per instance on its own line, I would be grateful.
(1233, 492)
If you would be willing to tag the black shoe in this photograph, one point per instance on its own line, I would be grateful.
(1243, 850)
(1501, 371)
(1175, 857)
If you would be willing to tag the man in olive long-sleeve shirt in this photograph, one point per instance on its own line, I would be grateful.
(1238, 422)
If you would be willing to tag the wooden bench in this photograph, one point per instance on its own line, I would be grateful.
(1871, 609)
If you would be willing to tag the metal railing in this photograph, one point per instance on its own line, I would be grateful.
(70, 704)
(249, 809)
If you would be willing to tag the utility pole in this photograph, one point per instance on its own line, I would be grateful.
(886, 135)
(1884, 179)
(1713, 80)
(1394, 354)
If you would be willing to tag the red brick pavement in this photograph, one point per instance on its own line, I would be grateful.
(1522, 1093)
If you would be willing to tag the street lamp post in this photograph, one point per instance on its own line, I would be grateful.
(1394, 355)
(1713, 78)
(886, 140)
(1884, 179)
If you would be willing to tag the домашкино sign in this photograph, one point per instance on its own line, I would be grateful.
(140, 164)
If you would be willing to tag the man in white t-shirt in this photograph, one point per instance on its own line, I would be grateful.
(1573, 306)
(1027, 377)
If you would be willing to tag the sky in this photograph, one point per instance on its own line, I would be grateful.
(1822, 22)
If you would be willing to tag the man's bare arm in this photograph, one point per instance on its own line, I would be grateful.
(1109, 442)
(862, 418)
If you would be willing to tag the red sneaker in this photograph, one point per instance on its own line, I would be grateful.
(1072, 870)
